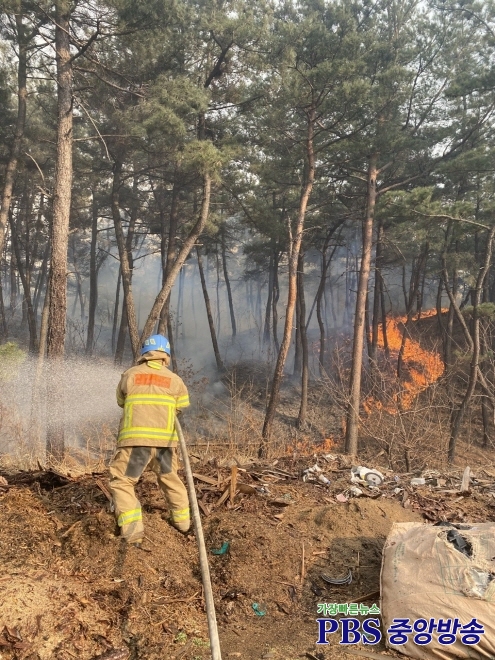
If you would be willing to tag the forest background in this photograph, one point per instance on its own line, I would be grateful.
(305, 186)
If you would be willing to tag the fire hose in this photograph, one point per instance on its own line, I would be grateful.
(203, 557)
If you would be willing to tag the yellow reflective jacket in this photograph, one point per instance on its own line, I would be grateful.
(150, 394)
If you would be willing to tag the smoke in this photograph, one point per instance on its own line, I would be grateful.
(91, 413)
(249, 290)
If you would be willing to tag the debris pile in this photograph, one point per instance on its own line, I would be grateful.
(436, 496)
(280, 542)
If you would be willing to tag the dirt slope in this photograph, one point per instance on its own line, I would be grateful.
(71, 589)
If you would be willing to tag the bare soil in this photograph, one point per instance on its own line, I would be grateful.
(72, 589)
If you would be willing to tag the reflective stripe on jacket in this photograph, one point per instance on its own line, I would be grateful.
(150, 394)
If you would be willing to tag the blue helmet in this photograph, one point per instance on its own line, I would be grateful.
(156, 343)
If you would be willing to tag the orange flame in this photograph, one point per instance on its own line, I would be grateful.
(307, 446)
(421, 367)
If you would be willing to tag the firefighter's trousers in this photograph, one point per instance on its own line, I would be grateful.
(126, 468)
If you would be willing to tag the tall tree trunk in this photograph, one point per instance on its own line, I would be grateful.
(180, 302)
(227, 281)
(168, 248)
(41, 279)
(352, 425)
(33, 333)
(375, 322)
(168, 254)
(39, 386)
(15, 150)
(474, 367)
(125, 263)
(303, 408)
(62, 186)
(93, 276)
(179, 261)
(296, 371)
(421, 292)
(79, 294)
(268, 308)
(414, 285)
(211, 324)
(275, 297)
(295, 246)
(3, 319)
(13, 284)
(129, 241)
(55, 444)
(44, 324)
(347, 293)
(484, 369)
(325, 265)
(384, 317)
(116, 309)
(173, 354)
(23, 224)
(258, 306)
(319, 315)
(122, 336)
(217, 270)
(367, 326)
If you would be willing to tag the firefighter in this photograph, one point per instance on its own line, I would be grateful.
(150, 395)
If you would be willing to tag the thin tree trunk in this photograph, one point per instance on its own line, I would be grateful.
(55, 443)
(33, 332)
(347, 294)
(125, 264)
(40, 283)
(484, 369)
(325, 265)
(122, 336)
(39, 385)
(180, 302)
(367, 326)
(218, 359)
(182, 256)
(474, 368)
(384, 317)
(44, 325)
(413, 291)
(168, 254)
(25, 268)
(449, 339)
(319, 316)
(275, 297)
(3, 320)
(303, 408)
(296, 371)
(352, 425)
(13, 284)
(295, 246)
(173, 354)
(438, 305)
(227, 282)
(421, 292)
(268, 308)
(93, 277)
(116, 309)
(15, 150)
(376, 294)
(258, 305)
(485, 415)
(217, 270)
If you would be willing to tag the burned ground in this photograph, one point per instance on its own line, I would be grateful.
(72, 589)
